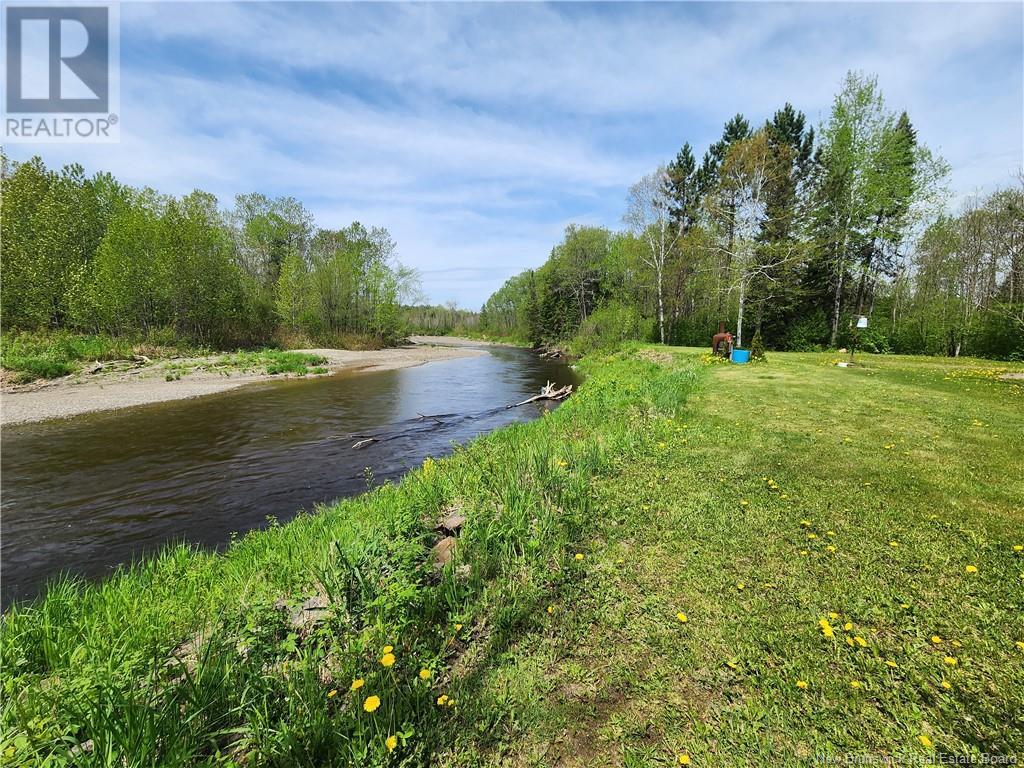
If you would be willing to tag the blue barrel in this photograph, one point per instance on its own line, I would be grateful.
(741, 356)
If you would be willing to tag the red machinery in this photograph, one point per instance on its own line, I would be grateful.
(721, 342)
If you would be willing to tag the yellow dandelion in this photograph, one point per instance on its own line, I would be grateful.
(894, 544)
(682, 617)
(740, 586)
(1020, 644)
(891, 664)
(805, 523)
(971, 569)
(372, 703)
(358, 683)
(579, 555)
(826, 628)
(391, 742)
(1018, 547)
(458, 627)
(332, 693)
(855, 684)
(803, 551)
(551, 609)
(831, 548)
(936, 640)
(684, 759)
(744, 502)
(951, 661)
(425, 674)
(848, 626)
(801, 683)
(830, 533)
(833, 615)
(860, 641)
(387, 660)
(442, 699)
(812, 535)
(849, 641)
(946, 684)
(925, 741)
(388, 649)
(450, 703)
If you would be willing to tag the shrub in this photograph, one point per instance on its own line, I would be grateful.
(757, 347)
(808, 334)
(610, 325)
(874, 338)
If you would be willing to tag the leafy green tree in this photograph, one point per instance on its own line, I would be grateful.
(293, 291)
(511, 311)
(648, 218)
(129, 282)
(266, 230)
(24, 272)
(864, 184)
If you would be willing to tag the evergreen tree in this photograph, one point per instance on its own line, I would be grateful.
(682, 189)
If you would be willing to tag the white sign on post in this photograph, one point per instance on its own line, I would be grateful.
(862, 322)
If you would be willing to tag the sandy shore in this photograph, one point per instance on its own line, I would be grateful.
(84, 393)
(458, 341)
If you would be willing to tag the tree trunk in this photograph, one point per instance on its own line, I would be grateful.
(836, 306)
(661, 308)
(739, 316)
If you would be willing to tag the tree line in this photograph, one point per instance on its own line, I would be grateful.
(93, 255)
(790, 234)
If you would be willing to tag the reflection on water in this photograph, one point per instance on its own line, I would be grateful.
(87, 494)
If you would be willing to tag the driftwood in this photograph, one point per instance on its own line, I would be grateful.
(547, 393)
(365, 442)
(132, 362)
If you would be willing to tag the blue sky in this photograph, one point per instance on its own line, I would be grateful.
(476, 132)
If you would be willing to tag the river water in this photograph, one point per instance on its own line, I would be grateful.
(87, 494)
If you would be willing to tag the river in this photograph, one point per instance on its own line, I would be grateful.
(87, 494)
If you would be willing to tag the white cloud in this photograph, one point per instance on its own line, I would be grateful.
(475, 132)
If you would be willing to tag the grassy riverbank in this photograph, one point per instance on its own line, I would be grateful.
(187, 659)
(765, 504)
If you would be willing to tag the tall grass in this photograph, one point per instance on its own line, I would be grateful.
(190, 657)
(49, 355)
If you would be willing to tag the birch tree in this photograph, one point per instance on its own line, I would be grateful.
(648, 216)
(739, 208)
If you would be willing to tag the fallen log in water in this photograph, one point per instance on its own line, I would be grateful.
(547, 393)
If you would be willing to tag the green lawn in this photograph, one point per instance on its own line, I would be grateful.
(765, 503)
(790, 493)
